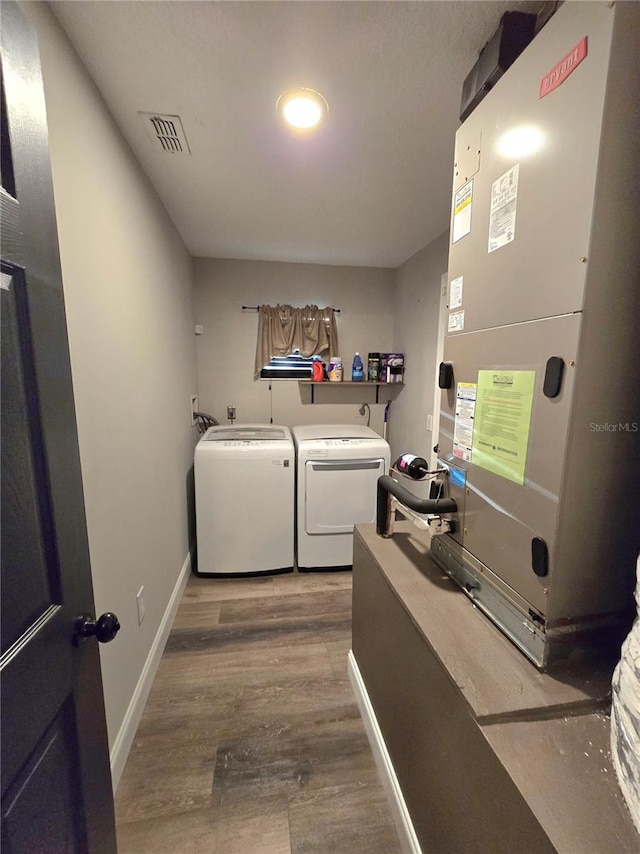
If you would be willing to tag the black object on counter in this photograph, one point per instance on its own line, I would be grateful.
(411, 465)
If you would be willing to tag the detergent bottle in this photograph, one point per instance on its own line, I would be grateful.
(335, 369)
(357, 369)
(318, 369)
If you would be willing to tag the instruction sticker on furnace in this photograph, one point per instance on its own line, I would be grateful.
(462, 206)
(455, 292)
(456, 321)
(465, 416)
(504, 201)
(503, 421)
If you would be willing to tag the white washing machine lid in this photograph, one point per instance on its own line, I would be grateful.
(244, 433)
(342, 432)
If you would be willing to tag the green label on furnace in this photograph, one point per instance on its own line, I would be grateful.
(503, 421)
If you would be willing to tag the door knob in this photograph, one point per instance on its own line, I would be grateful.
(105, 628)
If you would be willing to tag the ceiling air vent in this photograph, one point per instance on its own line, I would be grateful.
(166, 132)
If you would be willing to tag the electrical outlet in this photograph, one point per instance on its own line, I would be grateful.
(231, 413)
(194, 408)
(140, 604)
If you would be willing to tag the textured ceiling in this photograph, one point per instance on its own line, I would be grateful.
(371, 187)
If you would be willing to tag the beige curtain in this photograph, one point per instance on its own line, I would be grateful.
(283, 329)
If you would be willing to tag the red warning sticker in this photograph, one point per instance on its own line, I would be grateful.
(563, 69)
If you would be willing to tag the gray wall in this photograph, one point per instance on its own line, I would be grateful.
(128, 290)
(226, 349)
(127, 283)
(415, 332)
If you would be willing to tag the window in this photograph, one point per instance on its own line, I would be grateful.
(288, 337)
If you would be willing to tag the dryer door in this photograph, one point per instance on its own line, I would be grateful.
(340, 493)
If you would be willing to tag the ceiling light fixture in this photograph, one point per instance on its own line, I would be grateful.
(302, 108)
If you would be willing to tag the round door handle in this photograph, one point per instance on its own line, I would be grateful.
(105, 628)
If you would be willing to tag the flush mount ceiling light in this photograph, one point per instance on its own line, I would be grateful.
(302, 108)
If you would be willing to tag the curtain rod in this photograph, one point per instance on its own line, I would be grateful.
(257, 308)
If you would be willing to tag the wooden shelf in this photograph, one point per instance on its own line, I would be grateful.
(336, 384)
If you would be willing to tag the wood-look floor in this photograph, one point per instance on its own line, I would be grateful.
(251, 741)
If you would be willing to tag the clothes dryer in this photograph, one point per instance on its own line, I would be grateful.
(245, 488)
(337, 471)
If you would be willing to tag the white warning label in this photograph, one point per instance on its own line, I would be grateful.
(504, 201)
(455, 292)
(462, 207)
(456, 321)
(465, 415)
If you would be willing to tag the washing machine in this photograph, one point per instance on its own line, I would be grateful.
(337, 471)
(245, 487)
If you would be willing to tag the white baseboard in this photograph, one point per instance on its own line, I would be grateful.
(399, 811)
(124, 739)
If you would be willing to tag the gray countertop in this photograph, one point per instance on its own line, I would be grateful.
(549, 730)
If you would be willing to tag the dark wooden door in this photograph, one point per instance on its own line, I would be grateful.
(56, 781)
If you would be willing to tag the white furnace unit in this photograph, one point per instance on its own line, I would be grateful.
(540, 414)
(245, 488)
(338, 466)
